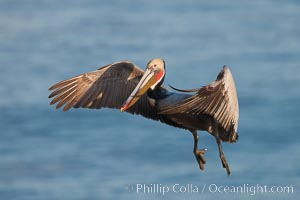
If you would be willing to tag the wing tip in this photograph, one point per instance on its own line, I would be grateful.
(52, 87)
(225, 74)
(66, 108)
(225, 69)
(51, 95)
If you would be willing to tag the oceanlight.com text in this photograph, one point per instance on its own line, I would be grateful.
(248, 189)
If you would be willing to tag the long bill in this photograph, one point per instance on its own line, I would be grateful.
(148, 80)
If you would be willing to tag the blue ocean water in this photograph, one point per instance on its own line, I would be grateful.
(104, 154)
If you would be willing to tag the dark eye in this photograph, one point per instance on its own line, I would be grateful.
(155, 65)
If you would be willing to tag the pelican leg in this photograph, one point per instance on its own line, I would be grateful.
(222, 156)
(199, 153)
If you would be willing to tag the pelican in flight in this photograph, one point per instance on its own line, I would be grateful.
(123, 85)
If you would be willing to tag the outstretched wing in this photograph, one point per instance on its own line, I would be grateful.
(109, 87)
(218, 99)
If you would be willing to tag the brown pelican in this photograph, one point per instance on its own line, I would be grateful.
(123, 85)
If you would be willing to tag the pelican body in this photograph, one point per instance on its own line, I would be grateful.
(123, 85)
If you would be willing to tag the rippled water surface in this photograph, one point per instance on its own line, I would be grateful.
(95, 154)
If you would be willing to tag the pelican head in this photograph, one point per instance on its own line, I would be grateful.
(152, 78)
